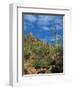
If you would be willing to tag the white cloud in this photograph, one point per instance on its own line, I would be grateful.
(44, 20)
(58, 20)
(58, 27)
(30, 18)
(45, 28)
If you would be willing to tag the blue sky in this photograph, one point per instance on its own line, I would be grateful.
(44, 26)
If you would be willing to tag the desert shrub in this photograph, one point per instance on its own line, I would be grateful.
(49, 60)
(39, 64)
(26, 56)
(58, 49)
(42, 54)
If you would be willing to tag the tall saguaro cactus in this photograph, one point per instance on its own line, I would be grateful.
(55, 34)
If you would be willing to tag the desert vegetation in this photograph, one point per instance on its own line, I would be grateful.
(42, 57)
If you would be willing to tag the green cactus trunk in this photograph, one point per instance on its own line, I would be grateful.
(55, 34)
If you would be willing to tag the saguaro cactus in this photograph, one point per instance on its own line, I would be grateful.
(55, 35)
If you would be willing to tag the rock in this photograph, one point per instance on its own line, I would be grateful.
(28, 69)
(41, 70)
